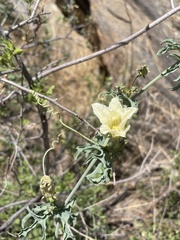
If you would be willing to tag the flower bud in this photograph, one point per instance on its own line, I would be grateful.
(47, 187)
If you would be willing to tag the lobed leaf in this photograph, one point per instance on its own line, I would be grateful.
(66, 218)
(171, 69)
(39, 215)
(170, 45)
(102, 170)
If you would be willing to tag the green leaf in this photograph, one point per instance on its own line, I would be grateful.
(17, 51)
(177, 79)
(175, 88)
(6, 52)
(66, 218)
(50, 90)
(175, 56)
(101, 171)
(97, 175)
(170, 45)
(39, 215)
(171, 69)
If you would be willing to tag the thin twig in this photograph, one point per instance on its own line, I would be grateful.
(13, 204)
(69, 138)
(172, 4)
(135, 176)
(27, 21)
(152, 203)
(28, 164)
(148, 154)
(81, 234)
(102, 202)
(50, 40)
(35, 8)
(8, 97)
(10, 71)
(112, 47)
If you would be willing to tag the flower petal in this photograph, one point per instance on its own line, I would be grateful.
(128, 112)
(104, 128)
(115, 104)
(101, 111)
(123, 133)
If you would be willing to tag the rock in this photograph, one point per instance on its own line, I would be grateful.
(77, 84)
(121, 19)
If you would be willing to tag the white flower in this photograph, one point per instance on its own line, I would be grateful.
(114, 118)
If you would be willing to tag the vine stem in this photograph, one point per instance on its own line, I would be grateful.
(80, 181)
(147, 86)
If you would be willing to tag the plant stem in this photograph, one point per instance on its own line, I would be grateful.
(146, 86)
(80, 181)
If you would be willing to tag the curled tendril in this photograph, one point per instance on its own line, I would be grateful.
(52, 148)
(50, 110)
(43, 103)
(72, 129)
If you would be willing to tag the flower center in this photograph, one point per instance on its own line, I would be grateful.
(114, 122)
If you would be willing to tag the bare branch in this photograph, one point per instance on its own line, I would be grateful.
(81, 234)
(27, 21)
(10, 71)
(112, 47)
(172, 4)
(137, 175)
(35, 8)
(2, 209)
(9, 97)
